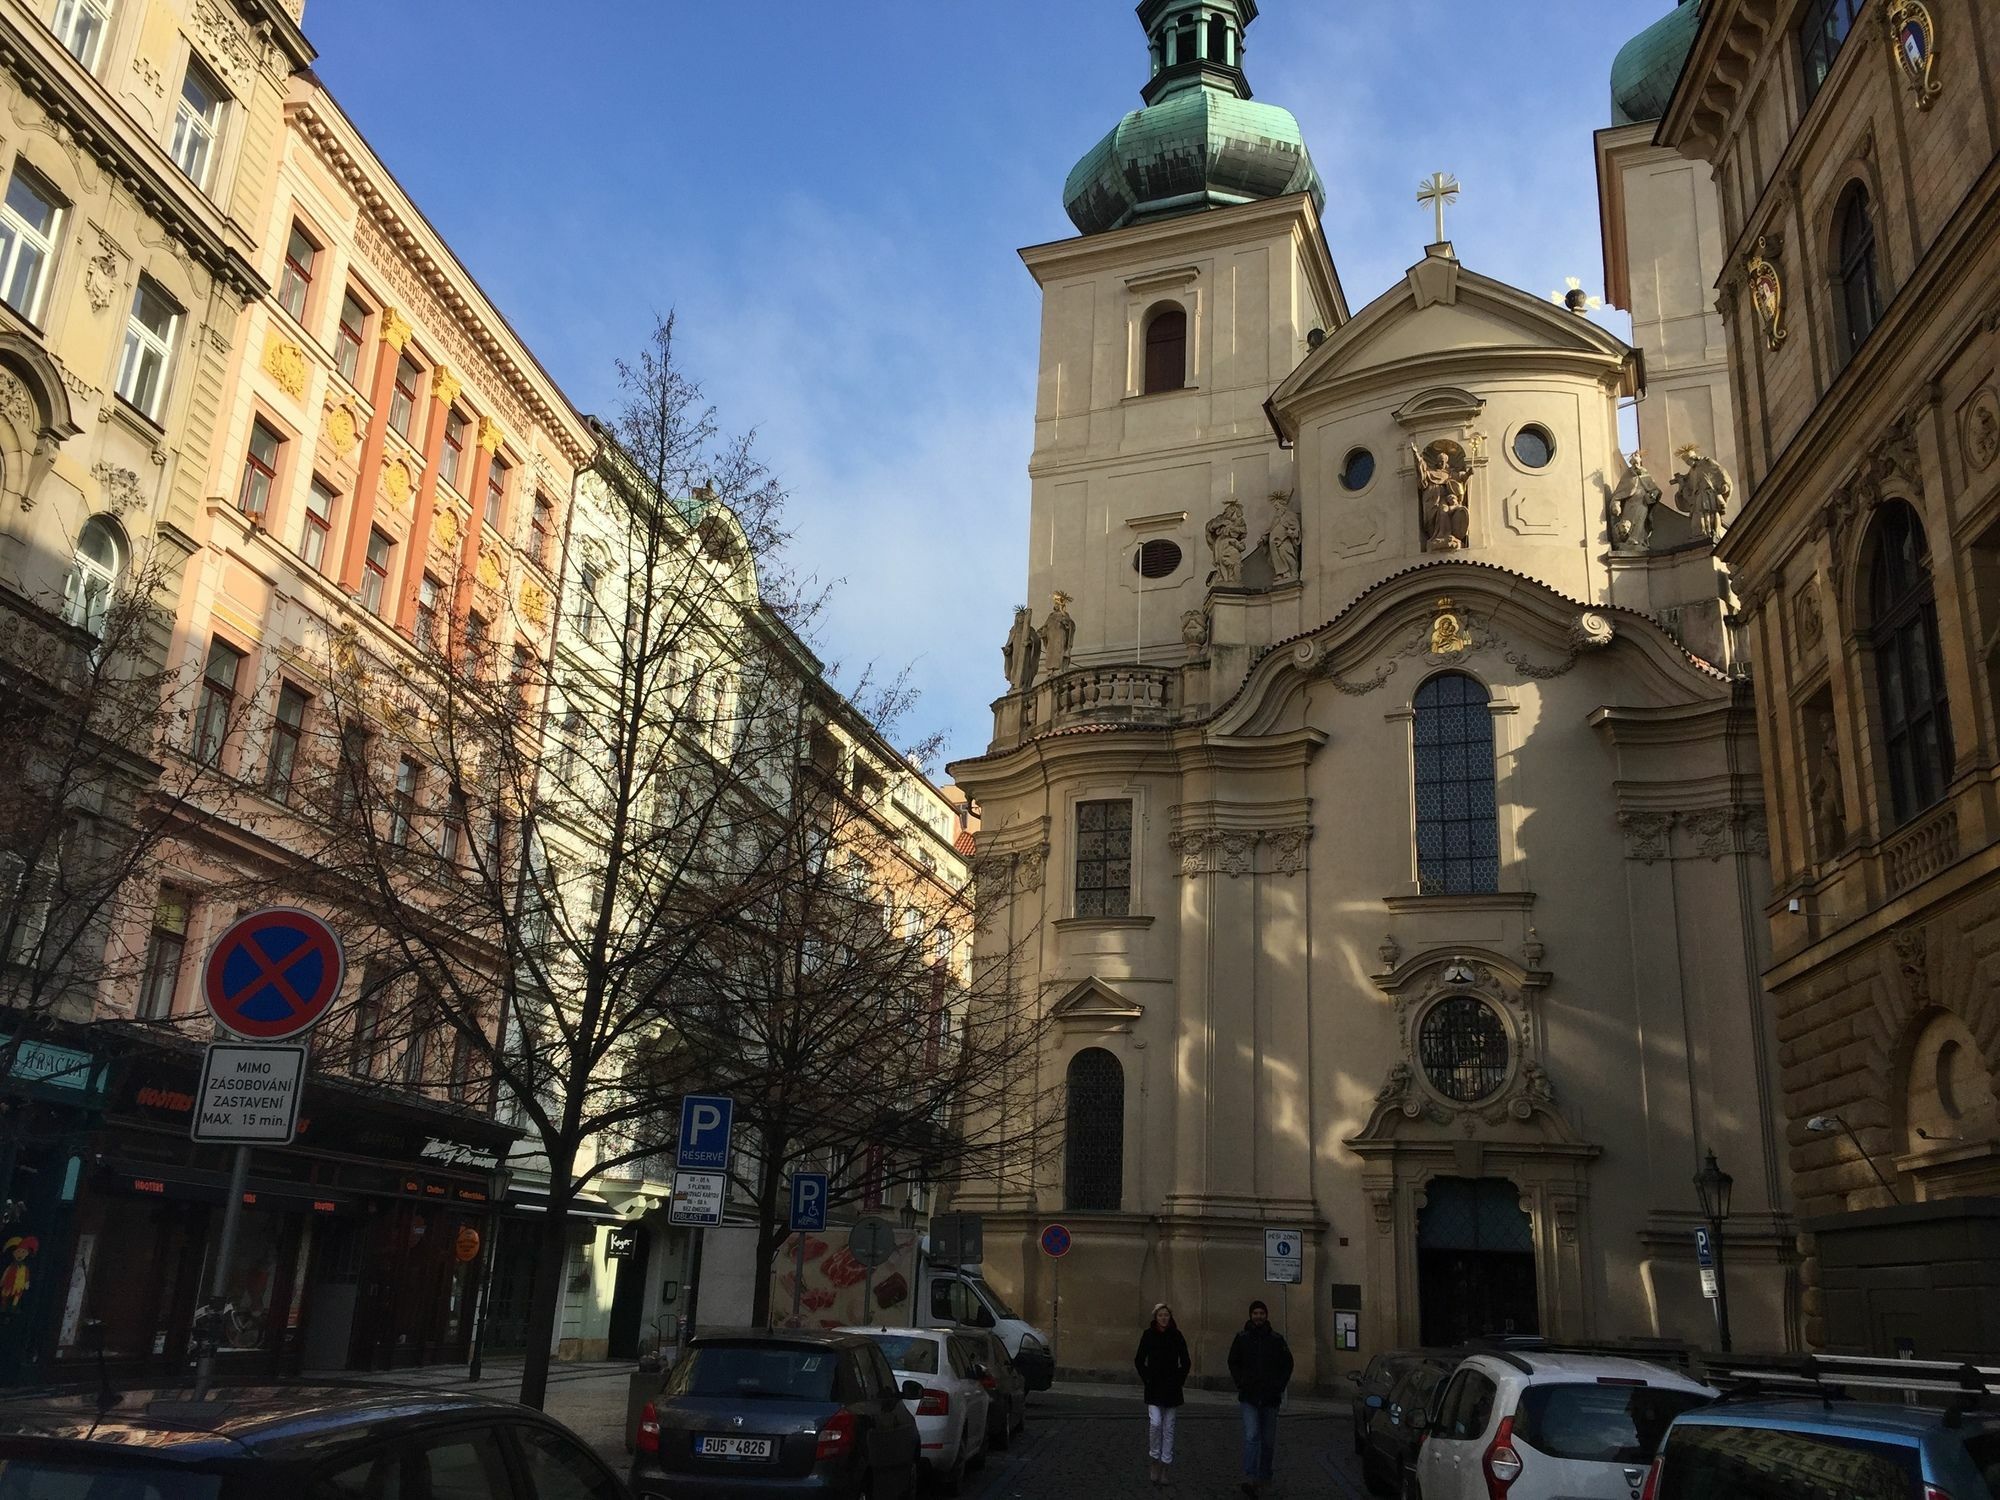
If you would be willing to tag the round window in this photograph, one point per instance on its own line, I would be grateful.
(1157, 558)
(1358, 470)
(1463, 1048)
(1534, 447)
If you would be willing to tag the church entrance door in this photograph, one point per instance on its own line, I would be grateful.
(1475, 1262)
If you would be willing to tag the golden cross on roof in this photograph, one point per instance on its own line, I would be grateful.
(1439, 189)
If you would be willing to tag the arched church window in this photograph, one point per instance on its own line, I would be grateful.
(1909, 674)
(93, 575)
(1094, 1133)
(1860, 286)
(1218, 40)
(1166, 349)
(1458, 828)
(1462, 1045)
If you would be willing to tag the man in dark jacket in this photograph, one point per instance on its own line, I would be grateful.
(1260, 1362)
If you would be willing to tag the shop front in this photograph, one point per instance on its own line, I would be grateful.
(358, 1246)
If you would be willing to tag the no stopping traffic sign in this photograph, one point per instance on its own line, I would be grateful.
(273, 974)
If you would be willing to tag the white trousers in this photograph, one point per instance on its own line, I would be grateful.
(1160, 1432)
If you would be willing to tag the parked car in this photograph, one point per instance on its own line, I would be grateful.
(1535, 1425)
(778, 1412)
(1376, 1381)
(950, 1403)
(310, 1442)
(1006, 1387)
(1389, 1439)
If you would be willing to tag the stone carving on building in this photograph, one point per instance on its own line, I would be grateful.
(1712, 831)
(1034, 863)
(1194, 631)
(445, 387)
(1914, 32)
(1767, 290)
(341, 429)
(1646, 834)
(1829, 804)
(1448, 633)
(444, 527)
(226, 47)
(103, 273)
(1226, 534)
(488, 569)
(18, 406)
(396, 482)
(118, 485)
(1022, 653)
(1391, 953)
(1982, 429)
(1632, 506)
(1058, 635)
(1590, 632)
(285, 362)
(1283, 539)
(1702, 491)
(1288, 849)
(1442, 472)
(534, 603)
(1233, 851)
(1913, 964)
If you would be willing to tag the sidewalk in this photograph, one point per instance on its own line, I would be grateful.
(587, 1398)
(1114, 1390)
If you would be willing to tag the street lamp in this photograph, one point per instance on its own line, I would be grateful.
(1712, 1185)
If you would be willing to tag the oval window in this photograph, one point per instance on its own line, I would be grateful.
(1463, 1049)
(1358, 470)
(1157, 558)
(1534, 447)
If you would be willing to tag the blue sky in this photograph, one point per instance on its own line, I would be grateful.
(831, 198)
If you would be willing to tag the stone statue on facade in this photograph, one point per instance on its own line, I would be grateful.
(1023, 651)
(1441, 476)
(1702, 491)
(1829, 808)
(1194, 631)
(1632, 505)
(1058, 634)
(1283, 540)
(1226, 534)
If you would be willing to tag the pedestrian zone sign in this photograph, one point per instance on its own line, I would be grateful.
(1284, 1257)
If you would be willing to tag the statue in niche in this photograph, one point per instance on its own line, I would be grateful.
(1829, 809)
(1632, 505)
(1442, 472)
(1226, 534)
(1057, 636)
(1023, 651)
(1702, 491)
(1194, 631)
(1283, 540)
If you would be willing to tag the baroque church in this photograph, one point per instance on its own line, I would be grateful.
(1373, 802)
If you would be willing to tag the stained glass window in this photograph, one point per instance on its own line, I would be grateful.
(1458, 831)
(1094, 1137)
(1104, 859)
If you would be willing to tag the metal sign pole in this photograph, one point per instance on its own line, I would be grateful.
(1055, 1332)
(218, 1284)
(798, 1272)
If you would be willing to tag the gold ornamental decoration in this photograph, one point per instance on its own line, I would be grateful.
(285, 362)
(1767, 294)
(534, 603)
(489, 569)
(1913, 35)
(341, 429)
(396, 482)
(445, 527)
(1448, 636)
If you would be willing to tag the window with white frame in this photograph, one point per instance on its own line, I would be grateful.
(93, 575)
(80, 26)
(30, 229)
(260, 471)
(198, 124)
(149, 348)
(318, 524)
(375, 571)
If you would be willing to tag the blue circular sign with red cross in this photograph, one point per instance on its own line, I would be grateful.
(1055, 1242)
(273, 974)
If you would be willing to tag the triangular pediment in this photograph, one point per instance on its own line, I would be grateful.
(1095, 1005)
(1437, 313)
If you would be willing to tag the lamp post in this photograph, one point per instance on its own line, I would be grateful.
(497, 1183)
(1712, 1185)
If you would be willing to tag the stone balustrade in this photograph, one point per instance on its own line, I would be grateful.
(1918, 853)
(1114, 694)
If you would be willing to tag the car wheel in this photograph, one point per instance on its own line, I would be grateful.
(953, 1480)
(1412, 1490)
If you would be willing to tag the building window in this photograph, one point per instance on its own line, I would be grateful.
(149, 346)
(460, 1086)
(1157, 558)
(453, 457)
(1166, 349)
(1094, 1132)
(1458, 828)
(1534, 447)
(403, 400)
(496, 491)
(1822, 28)
(218, 699)
(30, 228)
(347, 337)
(295, 282)
(1104, 859)
(403, 809)
(369, 1014)
(287, 730)
(1462, 1045)
(451, 837)
(429, 594)
(375, 571)
(586, 602)
(496, 842)
(93, 576)
(351, 773)
(520, 669)
(197, 124)
(1860, 287)
(1909, 674)
(1357, 470)
(165, 947)
(477, 642)
(542, 531)
(260, 471)
(318, 524)
(80, 26)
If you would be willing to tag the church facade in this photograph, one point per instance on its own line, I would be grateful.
(1374, 800)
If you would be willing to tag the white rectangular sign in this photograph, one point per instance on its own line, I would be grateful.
(1284, 1256)
(249, 1094)
(697, 1198)
(1708, 1283)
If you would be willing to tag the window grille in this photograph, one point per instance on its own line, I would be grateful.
(1094, 1136)
(1458, 830)
(1463, 1049)
(1104, 859)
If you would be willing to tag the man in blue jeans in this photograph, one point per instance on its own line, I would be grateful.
(1260, 1363)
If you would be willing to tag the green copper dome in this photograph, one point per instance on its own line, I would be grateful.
(1201, 142)
(1647, 67)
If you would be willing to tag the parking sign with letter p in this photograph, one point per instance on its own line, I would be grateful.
(809, 1201)
(704, 1142)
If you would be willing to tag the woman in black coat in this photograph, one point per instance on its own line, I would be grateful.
(1163, 1365)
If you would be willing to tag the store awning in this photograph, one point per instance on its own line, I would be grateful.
(586, 1206)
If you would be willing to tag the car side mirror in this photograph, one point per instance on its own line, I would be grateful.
(1354, 1377)
(912, 1391)
(1373, 1403)
(1420, 1420)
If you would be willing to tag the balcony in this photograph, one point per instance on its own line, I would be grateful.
(1119, 693)
(1919, 852)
